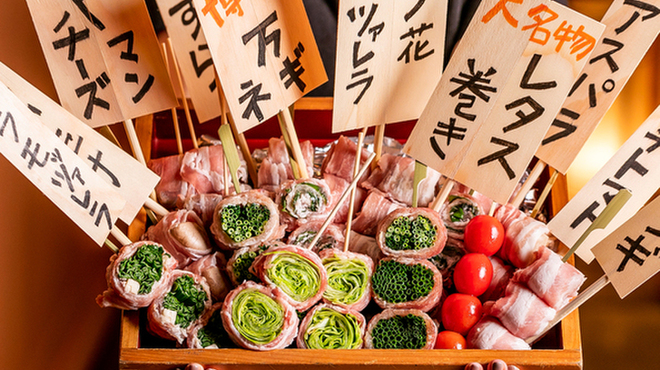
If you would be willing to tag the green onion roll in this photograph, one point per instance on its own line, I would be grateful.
(209, 332)
(411, 232)
(406, 283)
(457, 211)
(349, 278)
(301, 201)
(401, 329)
(331, 327)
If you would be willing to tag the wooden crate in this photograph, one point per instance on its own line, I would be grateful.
(559, 349)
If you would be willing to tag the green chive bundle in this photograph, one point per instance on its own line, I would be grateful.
(186, 299)
(145, 267)
(400, 332)
(242, 222)
(396, 282)
(410, 233)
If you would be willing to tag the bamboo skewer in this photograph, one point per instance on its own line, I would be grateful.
(156, 207)
(184, 100)
(289, 130)
(527, 185)
(379, 136)
(351, 204)
(440, 199)
(544, 194)
(120, 236)
(175, 118)
(111, 246)
(134, 142)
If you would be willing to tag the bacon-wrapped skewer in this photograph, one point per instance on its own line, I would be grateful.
(302, 201)
(331, 327)
(401, 329)
(412, 232)
(406, 283)
(209, 332)
(349, 278)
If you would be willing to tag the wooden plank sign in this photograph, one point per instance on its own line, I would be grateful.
(56, 170)
(471, 83)
(631, 254)
(389, 60)
(265, 55)
(132, 180)
(558, 49)
(633, 167)
(104, 58)
(632, 26)
(192, 52)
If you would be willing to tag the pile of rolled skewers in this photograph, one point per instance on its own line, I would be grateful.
(285, 262)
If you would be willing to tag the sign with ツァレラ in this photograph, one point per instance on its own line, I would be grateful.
(632, 26)
(265, 55)
(469, 86)
(633, 167)
(558, 48)
(104, 58)
(131, 179)
(193, 55)
(631, 254)
(56, 170)
(389, 59)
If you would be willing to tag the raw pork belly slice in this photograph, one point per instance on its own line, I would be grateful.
(331, 327)
(203, 169)
(365, 245)
(301, 201)
(405, 283)
(447, 259)
(239, 209)
(394, 177)
(337, 187)
(502, 274)
(203, 205)
(489, 333)
(255, 318)
(333, 236)
(375, 207)
(133, 262)
(185, 291)
(212, 268)
(507, 213)
(349, 278)
(183, 235)
(417, 233)
(296, 274)
(406, 322)
(209, 332)
(524, 236)
(457, 211)
(554, 281)
(171, 190)
(521, 311)
(276, 167)
(340, 159)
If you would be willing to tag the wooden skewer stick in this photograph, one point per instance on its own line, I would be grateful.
(419, 175)
(156, 207)
(544, 193)
(527, 185)
(120, 236)
(111, 246)
(351, 204)
(175, 118)
(379, 136)
(134, 141)
(341, 201)
(289, 130)
(440, 199)
(184, 100)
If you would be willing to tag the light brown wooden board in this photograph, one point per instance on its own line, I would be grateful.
(133, 181)
(387, 72)
(621, 46)
(191, 50)
(249, 62)
(92, 64)
(634, 167)
(631, 254)
(56, 170)
(488, 50)
(531, 98)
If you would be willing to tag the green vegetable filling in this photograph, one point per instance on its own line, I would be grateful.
(295, 275)
(242, 265)
(396, 282)
(145, 267)
(213, 332)
(400, 332)
(462, 212)
(241, 222)
(186, 299)
(257, 317)
(329, 329)
(347, 280)
(306, 198)
(407, 233)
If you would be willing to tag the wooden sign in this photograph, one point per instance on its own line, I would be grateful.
(56, 170)
(631, 254)
(389, 59)
(192, 52)
(265, 55)
(482, 63)
(558, 49)
(633, 167)
(632, 26)
(104, 58)
(132, 180)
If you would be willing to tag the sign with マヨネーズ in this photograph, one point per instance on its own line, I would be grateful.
(631, 254)
(56, 170)
(193, 55)
(131, 179)
(632, 26)
(265, 55)
(633, 167)
(558, 48)
(104, 58)
(476, 73)
(389, 60)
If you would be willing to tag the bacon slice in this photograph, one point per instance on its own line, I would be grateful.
(183, 235)
(554, 281)
(340, 159)
(489, 333)
(203, 205)
(436, 245)
(447, 259)
(338, 186)
(123, 294)
(375, 208)
(306, 330)
(212, 268)
(333, 236)
(502, 274)
(431, 327)
(365, 245)
(275, 169)
(171, 190)
(524, 236)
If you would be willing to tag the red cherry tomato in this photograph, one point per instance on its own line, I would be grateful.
(449, 340)
(473, 273)
(484, 234)
(460, 312)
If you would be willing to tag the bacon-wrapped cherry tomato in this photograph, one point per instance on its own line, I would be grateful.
(484, 234)
(473, 273)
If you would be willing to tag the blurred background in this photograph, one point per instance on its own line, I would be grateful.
(50, 272)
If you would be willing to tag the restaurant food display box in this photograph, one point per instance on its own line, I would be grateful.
(559, 349)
